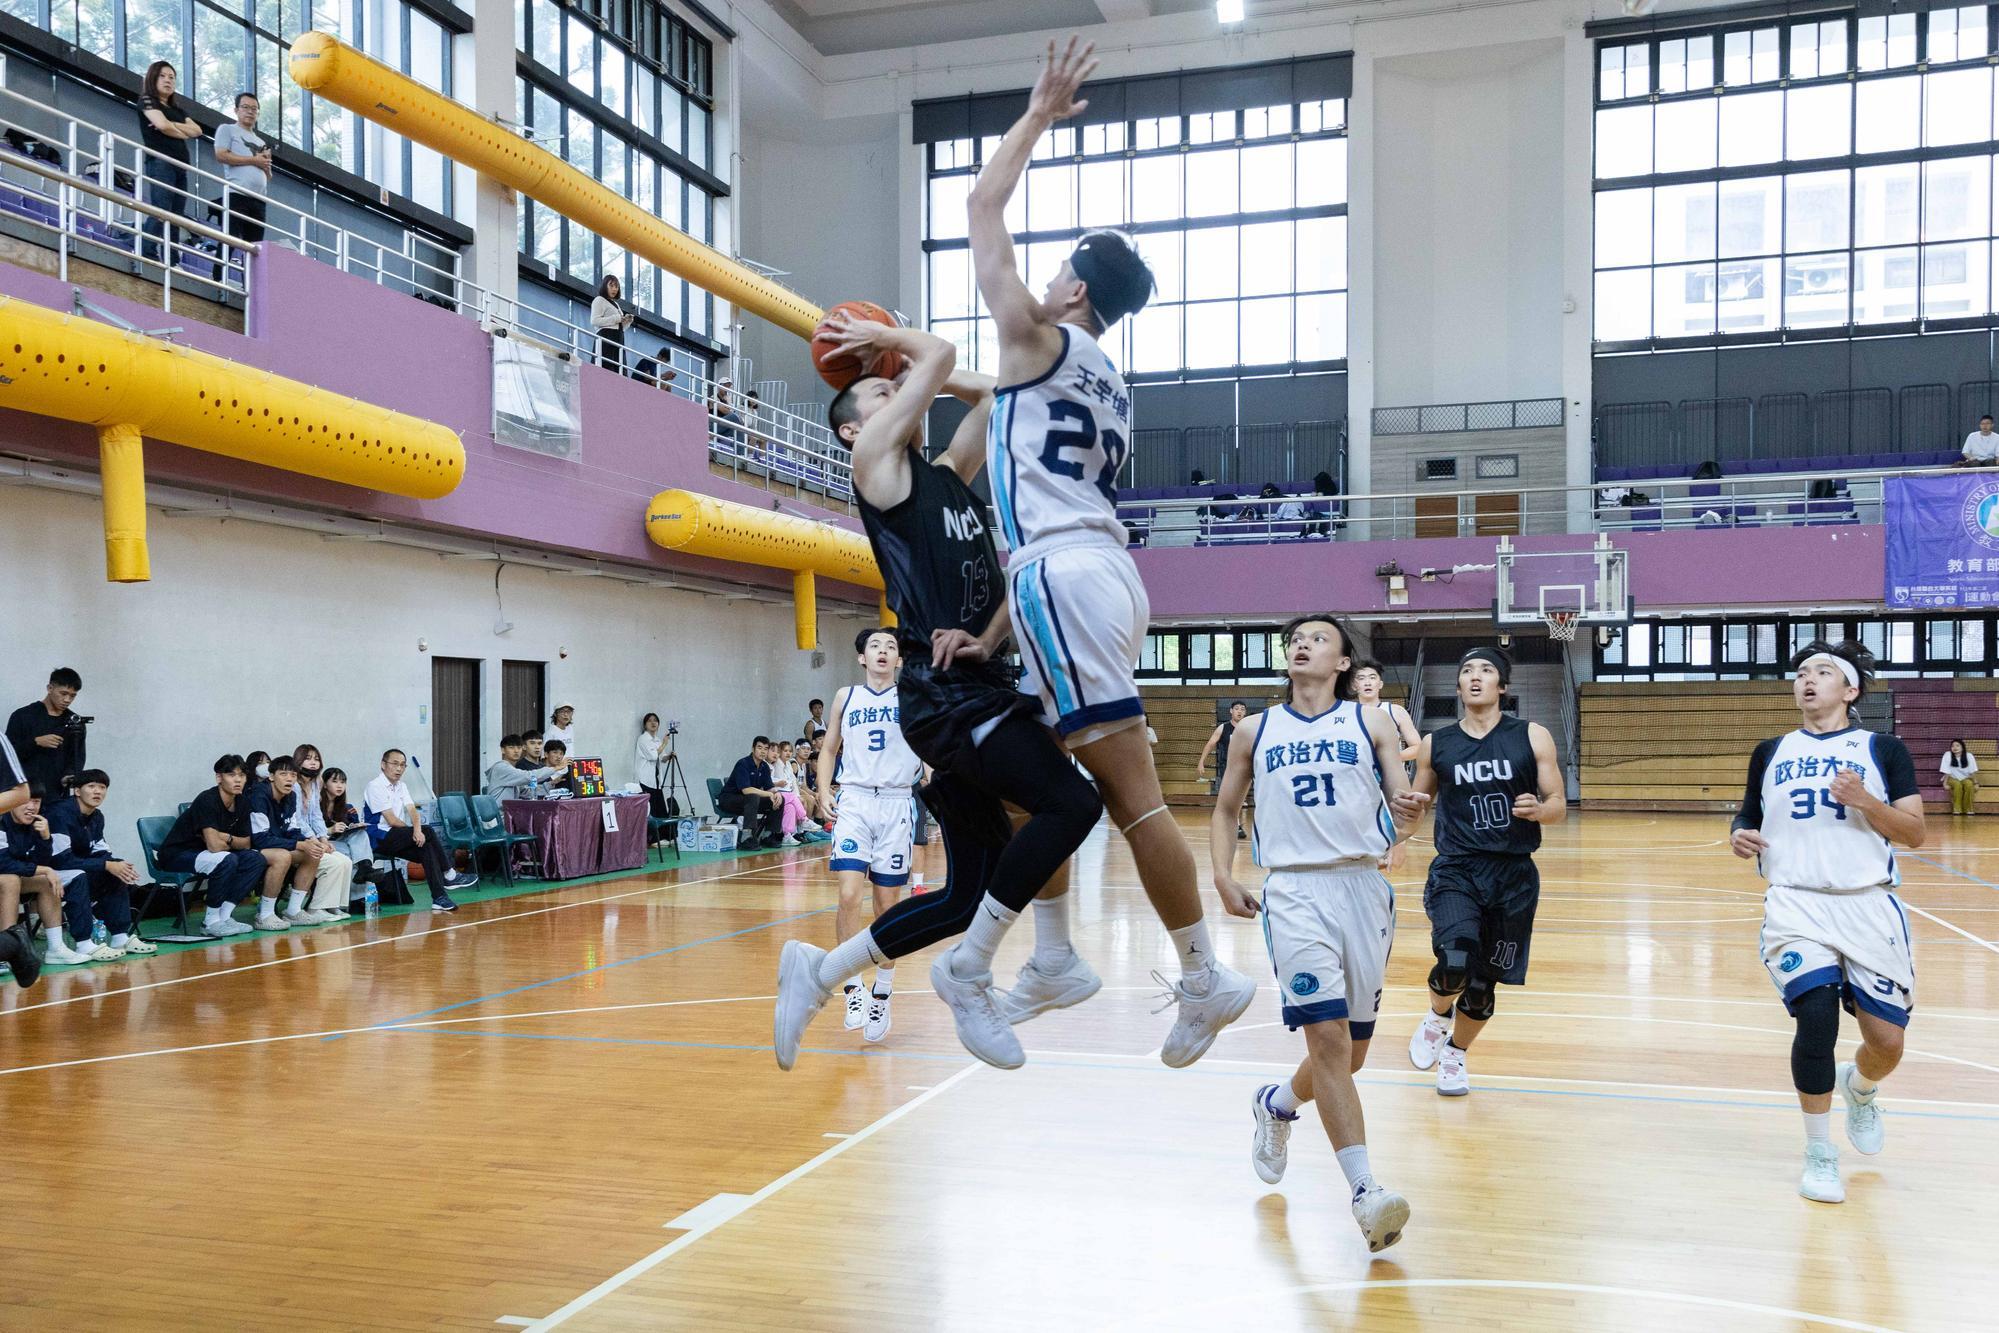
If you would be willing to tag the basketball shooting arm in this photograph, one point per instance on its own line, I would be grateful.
(881, 455)
(1029, 342)
(1552, 805)
(1227, 818)
(829, 749)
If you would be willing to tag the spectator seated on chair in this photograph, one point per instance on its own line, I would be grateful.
(17, 947)
(211, 838)
(347, 831)
(748, 794)
(395, 827)
(1981, 447)
(559, 777)
(795, 821)
(28, 857)
(278, 825)
(531, 741)
(96, 885)
(507, 777)
(350, 840)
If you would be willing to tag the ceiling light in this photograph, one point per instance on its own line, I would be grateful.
(1228, 11)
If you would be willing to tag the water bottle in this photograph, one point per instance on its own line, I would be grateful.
(100, 933)
(371, 903)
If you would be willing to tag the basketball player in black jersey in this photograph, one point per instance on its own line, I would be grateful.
(1495, 780)
(960, 711)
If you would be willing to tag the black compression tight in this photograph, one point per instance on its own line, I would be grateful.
(1020, 762)
(1812, 1047)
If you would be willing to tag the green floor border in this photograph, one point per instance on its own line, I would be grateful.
(498, 889)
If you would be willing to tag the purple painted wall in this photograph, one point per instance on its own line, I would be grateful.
(312, 323)
(1777, 567)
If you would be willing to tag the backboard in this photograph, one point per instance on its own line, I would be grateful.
(1592, 584)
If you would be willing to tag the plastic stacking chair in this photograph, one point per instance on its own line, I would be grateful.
(491, 831)
(456, 815)
(153, 831)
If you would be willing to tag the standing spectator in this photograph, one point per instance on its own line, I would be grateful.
(1960, 776)
(96, 885)
(1981, 447)
(728, 423)
(1329, 514)
(166, 129)
(748, 794)
(212, 839)
(651, 762)
(395, 829)
(345, 827)
(47, 737)
(245, 155)
(28, 857)
(278, 830)
(610, 318)
(559, 728)
(815, 725)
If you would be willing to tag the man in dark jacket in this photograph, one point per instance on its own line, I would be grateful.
(95, 884)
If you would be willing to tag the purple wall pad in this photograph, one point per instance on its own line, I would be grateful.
(313, 323)
(1779, 567)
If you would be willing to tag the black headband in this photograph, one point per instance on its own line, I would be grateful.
(1112, 295)
(1494, 656)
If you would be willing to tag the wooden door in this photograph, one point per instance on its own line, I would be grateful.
(1436, 516)
(454, 724)
(1496, 515)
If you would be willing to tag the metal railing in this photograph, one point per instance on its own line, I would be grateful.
(1764, 500)
(69, 200)
(1246, 455)
(1451, 418)
(1913, 418)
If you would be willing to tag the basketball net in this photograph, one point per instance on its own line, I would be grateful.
(1562, 625)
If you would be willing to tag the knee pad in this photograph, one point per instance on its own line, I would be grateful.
(1478, 1001)
(1812, 1063)
(1452, 972)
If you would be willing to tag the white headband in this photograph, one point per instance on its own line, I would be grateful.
(1845, 667)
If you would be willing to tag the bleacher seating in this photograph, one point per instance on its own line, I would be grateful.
(1184, 715)
(1184, 527)
(1764, 466)
(1930, 714)
(1685, 745)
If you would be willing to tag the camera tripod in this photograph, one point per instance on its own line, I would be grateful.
(672, 780)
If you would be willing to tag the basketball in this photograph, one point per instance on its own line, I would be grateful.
(839, 368)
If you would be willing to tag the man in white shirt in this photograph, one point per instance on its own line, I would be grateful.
(395, 829)
(1981, 447)
(559, 728)
(245, 155)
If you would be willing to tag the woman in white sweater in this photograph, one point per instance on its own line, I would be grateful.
(610, 319)
(1960, 775)
(651, 759)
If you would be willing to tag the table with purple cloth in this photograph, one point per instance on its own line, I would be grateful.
(574, 840)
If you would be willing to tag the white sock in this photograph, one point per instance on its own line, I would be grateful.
(1861, 1085)
(916, 880)
(974, 953)
(1818, 1128)
(1285, 1100)
(213, 917)
(120, 940)
(1197, 955)
(1353, 1164)
(847, 960)
(52, 939)
(296, 903)
(884, 981)
(267, 907)
(1051, 933)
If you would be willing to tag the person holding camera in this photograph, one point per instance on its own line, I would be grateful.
(48, 736)
(653, 747)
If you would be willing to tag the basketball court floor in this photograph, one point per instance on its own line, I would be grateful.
(561, 1110)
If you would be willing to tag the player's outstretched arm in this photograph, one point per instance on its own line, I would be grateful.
(829, 749)
(970, 387)
(1227, 818)
(1027, 341)
(1552, 805)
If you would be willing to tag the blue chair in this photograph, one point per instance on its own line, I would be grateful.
(153, 831)
(491, 831)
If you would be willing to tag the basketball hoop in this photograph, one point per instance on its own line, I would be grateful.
(1562, 625)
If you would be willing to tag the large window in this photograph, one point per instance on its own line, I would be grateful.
(223, 47)
(1762, 649)
(1808, 174)
(1242, 215)
(622, 90)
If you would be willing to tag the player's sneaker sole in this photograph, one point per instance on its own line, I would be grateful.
(1036, 992)
(1864, 1129)
(980, 1028)
(1382, 1215)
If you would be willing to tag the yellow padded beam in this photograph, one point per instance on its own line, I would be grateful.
(328, 67)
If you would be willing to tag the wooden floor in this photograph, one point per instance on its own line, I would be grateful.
(561, 1110)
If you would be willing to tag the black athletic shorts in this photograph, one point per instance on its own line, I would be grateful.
(941, 709)
(1488, 899)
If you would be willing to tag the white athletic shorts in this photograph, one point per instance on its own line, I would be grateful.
(1080, 615)
(871, 833)
(1857, 941)
(1329, 933)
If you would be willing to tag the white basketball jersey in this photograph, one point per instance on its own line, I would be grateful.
(1318, 789)
(1055, 444)
(1816, 843)
(872, 750)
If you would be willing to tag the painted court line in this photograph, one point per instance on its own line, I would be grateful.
(667, 1251)
(393, 939)
(704, 1216)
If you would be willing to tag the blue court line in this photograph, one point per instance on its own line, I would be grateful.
(1056, 1060)
(601, 967)
(1951, 870)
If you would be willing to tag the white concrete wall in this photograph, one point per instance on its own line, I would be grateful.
(260, 637)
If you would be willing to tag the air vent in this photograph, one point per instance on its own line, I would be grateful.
(1496, 467)
(1440, 469)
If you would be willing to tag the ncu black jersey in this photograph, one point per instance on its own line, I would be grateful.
(936, 557)
(1478, 778)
